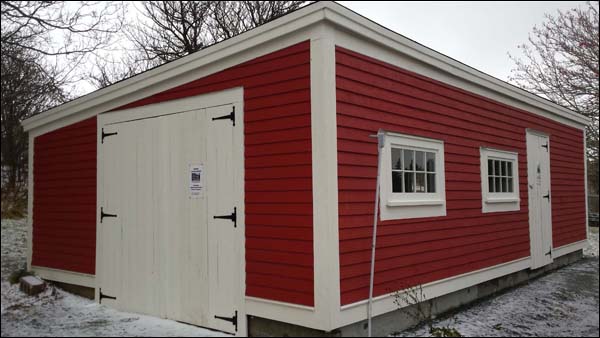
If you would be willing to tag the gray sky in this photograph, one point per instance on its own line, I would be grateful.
(479, 34)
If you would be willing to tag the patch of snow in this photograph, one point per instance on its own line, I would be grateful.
(592, 250)
(563, 303)
(32, 280)
(55, 312)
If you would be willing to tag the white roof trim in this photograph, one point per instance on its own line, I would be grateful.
(289, 23)
(359, 25)
(304, 17)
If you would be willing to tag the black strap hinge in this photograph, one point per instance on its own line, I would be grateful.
(545, 146)
(547, 196)
(102, 296)
(230, 116)
(549, 252)
(232, 217)
(103, 214)
(106, 135)
(233, 320)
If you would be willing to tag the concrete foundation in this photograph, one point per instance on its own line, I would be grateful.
(402, 319)
(79, 290)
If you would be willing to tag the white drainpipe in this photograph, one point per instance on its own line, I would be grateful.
(380, 138)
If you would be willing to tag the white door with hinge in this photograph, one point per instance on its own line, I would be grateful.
(171, 225)
(540, 203)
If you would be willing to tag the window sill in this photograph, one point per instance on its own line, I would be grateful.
(414, 203)
(502, 200)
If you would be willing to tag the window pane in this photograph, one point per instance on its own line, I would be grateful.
(491, 184)
(430, 182)
(509, 169)
(431, 162)
(420, 161)
(504, 184)
(503, 168)
(496, 168)
(490, 167)
(497, 187)
(396, 158)
(510, 184)
(409, 159)
(409, 182)
(420, 186)
(396, 181)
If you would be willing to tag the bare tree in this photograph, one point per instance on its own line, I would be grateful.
(27, 89)
(173, 29)
(109, 71)
(561, 62)
(43, 45)
(230, 18)
(81, 27)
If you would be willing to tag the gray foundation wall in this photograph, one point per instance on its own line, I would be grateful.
(399, 320)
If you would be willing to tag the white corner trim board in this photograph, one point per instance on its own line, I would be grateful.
(324, 176)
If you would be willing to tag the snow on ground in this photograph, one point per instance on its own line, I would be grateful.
(562, 303)
(592, 250)
(59, 313)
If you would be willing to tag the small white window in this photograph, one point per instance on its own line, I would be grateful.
(499, 180)
(412, 177)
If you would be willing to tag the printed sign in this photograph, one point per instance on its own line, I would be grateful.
(196, 184)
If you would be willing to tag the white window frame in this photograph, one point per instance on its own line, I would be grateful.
(499, 201)
(411, 205)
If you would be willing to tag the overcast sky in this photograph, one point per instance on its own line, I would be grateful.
(479, 34)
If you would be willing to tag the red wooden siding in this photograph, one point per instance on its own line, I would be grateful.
(64, 198)
(372, 95)
(278, 169)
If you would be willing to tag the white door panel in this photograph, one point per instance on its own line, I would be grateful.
(222, 231)
(109, 228)
(540, 206)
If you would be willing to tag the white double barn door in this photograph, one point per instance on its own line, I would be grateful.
(164, 253)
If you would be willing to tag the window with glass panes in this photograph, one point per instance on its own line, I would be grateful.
(413, 171)
(500, 176)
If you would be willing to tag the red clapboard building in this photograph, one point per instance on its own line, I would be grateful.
(236, 186)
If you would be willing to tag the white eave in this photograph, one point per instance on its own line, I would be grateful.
(144, 84)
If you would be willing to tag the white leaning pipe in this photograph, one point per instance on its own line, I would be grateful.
(380, 138)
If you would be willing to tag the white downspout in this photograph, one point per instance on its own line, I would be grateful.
(380, 142)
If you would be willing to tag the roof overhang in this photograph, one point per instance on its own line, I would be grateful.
(144, 84)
